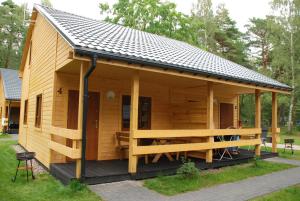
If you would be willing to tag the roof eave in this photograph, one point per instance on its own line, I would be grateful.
(13, 99)
(107, 55)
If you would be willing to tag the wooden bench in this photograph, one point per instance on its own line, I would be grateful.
(123, 143)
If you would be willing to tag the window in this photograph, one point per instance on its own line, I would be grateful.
(25, 112)
(38, 111)
(144, 118)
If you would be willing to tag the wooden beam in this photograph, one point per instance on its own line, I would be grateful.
(274, 122)
(144, 134)
(210, 119)
(176, 73)
(257, 119)
(155, 149)
(132, 164)
(66, 133)
(64, 150)
(238, 110)
(83, 69)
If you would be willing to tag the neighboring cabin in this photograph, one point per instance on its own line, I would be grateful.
(10, 97)
(141, 84)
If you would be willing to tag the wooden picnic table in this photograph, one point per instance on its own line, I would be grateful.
(161, 142)
(123, 137)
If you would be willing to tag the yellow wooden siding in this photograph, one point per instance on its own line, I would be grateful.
(62, 52)
(167, 105)
(171, 108)
(38, 78)
(2, 102)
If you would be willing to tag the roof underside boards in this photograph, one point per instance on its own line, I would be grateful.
(123, 43)
(12, 84)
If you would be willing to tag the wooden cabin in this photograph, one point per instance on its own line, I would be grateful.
(92, 90)
(10, 97)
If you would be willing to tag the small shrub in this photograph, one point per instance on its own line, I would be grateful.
(75, 185)
(257, 161)
(188, 170)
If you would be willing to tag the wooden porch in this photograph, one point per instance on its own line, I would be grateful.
(175, 99)
(117, 170)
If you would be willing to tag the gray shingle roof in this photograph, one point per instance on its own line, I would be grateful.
(12, 84)
(123, 43)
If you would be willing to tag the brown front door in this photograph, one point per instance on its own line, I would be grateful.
(92, 126)
(226, 115)
(92, 121)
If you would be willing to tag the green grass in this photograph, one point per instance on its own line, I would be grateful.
(171, 185)
(4, 136)
(43, 188)
(291, 194)
(289, 155)
(295, 134)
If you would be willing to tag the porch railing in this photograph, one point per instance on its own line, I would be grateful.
(72, 134)
(197, 146)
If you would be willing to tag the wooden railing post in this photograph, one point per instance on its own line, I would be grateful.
(274, 122)
(257, 119)
(78, 144)
(210, 119)
(132, 164)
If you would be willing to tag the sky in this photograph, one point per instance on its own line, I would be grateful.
(240, 10)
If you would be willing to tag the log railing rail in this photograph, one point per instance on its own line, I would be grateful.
(74, 135)
(161, 134)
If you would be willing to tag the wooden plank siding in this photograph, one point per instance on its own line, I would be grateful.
(171, 108)
(179, 104)
(4, 104)
(48, 52)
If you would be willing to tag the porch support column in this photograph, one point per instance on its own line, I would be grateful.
(210, 119)
(135, 82)
(257, 119)
(274, 122)
(78, 144)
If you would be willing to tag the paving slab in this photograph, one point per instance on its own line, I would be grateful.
(281, 146)
(11, 137)
(236, 191)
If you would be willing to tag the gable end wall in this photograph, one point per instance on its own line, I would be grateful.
(49, 52)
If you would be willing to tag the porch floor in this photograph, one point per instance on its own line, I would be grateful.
(117, 170)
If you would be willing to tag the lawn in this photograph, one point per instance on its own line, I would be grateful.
(171, 185)
(287, 154)
(294, 135)
(43, 188)
(291, 193)
(4, 136)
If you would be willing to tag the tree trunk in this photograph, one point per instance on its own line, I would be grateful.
(291, 110)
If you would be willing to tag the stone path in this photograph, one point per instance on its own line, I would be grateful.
(237, 191)
(281, 146)
(37, 167)
(10, 137)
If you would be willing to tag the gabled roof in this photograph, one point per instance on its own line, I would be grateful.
(12, 84)
(122, 43)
